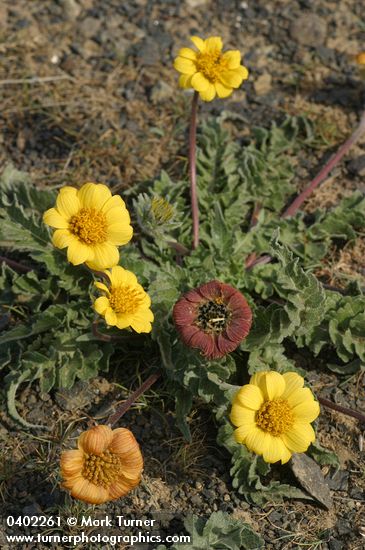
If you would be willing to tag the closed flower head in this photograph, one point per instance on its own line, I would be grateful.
(107, 465)
(273, 415)
(213, 318)
(208, 70)
(91, 224)
(125, 303)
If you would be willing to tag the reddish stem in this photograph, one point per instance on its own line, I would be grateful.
(131, 399)
(192, 170)
(255, 214)
(252, 259)
(333, 161)
(99, 335)
(15, 265)
(349, 412)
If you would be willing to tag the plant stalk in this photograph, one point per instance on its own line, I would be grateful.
(327, 168)
(15, 265)
(252, 259)
(349, 412)
(132, 398)
(192, 170)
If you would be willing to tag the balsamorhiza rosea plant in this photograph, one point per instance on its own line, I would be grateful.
(239, 191)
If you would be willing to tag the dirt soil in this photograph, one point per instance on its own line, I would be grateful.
(88, 93)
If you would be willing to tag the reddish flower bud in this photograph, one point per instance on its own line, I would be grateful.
(214, 317)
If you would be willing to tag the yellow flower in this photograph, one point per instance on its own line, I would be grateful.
(273, 414)
(209, 71)
(91, 223)
(360, 58)
(126, 304)
(107, 465)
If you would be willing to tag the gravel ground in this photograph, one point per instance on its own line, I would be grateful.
(88, 93)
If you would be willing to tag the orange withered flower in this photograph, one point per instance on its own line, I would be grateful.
(214, 318)
(106, 466)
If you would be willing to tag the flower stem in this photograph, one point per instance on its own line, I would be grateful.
(192, 170)
(99, 335)
(252, 259)
(349, 412)
(333, 161)
(132, 398)
(15, 265)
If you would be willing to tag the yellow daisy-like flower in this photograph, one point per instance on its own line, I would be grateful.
(209, 71)
(107, 465)
(126, 304)
(91, 223)
(360, 58)
(273, 415)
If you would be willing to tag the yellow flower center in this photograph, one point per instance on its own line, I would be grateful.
(89, 225)
(125, 299)
(102, 470)
(211, 64)
(275, 417)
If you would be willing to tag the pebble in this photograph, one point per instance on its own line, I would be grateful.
(3, 17)
(309, 30)
(161, 92)
(262, 84)
(335, 544)
(196, 3)
(71, 9)
(90, 26)
(148, 51)
(32, 509)
(357, 166)
(196, 500)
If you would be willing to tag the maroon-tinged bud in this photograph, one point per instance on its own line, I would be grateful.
(214, 318)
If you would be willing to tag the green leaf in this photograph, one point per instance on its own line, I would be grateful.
(220, 531)
(323, 456)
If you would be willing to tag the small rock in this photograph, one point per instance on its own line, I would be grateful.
(32, 509)
(196, 500)
(71, 9)
(196, 3)
(222, 488)
(76, 398)
(339, 481)
(262, 84)
(3, 17)
(275, 517)
(89, 49)
(121, 47)
(343, 527)
(357, 166)
(90, 26)
(310, 476)
(161, 92)
(116, 21)
(335, 544)
(148, 51)
(309, 30)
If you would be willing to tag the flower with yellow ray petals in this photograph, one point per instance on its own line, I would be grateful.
(273, 415)
(125, 304)
(91, 224)
(208, 70)
(106, 466)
